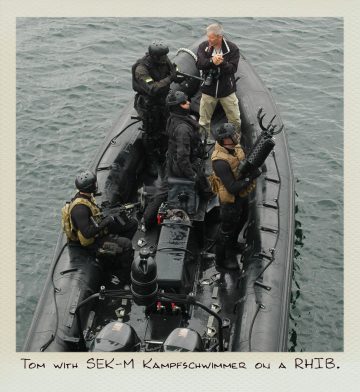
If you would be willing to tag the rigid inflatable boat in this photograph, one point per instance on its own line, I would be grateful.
(176, 300)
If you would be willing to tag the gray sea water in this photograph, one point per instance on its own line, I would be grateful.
(73, 78)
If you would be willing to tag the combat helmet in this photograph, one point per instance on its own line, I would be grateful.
(226, 130)
(86, 182)
(176, 98)
(158, 51)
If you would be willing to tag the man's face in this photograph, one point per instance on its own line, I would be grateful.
(185, 105)
(160, 59)
(214, 40)
(229, 143)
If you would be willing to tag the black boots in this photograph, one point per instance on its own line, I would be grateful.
(226, 252)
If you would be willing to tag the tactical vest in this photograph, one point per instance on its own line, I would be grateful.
(233, 161)
(154, 72)
(71, 233)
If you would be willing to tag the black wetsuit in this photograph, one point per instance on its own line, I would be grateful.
(81, 217)
(233, 215)
(152, 82)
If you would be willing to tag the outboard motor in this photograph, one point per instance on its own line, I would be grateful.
(144, 285)
(116, 337)
(183, 339)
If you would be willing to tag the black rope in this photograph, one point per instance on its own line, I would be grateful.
(272, 258)
(110, 293)
(112, 141)
(47, 344)
(82, 344)
(252, 324)
(259, 306)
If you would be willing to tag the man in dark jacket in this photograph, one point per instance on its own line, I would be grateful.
(109, 237)
(218, 59)
(184, 156)
(186, 150)
(151, 79)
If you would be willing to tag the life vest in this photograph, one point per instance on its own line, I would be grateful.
(71, 233)
(233, 161)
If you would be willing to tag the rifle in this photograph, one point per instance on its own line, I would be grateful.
(188, 76)
(119, 211)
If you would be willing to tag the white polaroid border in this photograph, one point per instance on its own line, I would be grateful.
(13, 376)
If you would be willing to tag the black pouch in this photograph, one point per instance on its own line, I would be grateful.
(182, 194)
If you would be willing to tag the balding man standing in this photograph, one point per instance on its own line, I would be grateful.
(218, 59)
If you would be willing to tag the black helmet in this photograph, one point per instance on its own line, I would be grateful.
(86, 182)
(158, 49)
(176, 98)
(224, 131)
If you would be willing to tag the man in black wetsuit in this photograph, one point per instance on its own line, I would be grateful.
(109, 237)
(151, 79)
(233, 193)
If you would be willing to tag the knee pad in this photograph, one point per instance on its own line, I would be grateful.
(132, 227)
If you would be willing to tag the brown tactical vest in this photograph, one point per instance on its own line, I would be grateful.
(233, 161)
(76, 235)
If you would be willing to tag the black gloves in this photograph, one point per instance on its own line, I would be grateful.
(110, 249)
(106, 221)
(245, 182)
(255, 174)
(173, 76)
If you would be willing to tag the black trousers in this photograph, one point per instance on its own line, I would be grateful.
(233, 217)
(154, 118)
(127, 229)
(115, 249)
